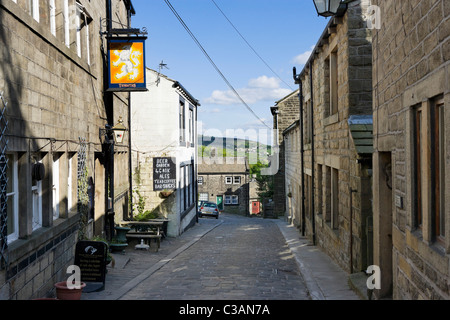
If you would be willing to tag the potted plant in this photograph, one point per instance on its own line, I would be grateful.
(63, 292)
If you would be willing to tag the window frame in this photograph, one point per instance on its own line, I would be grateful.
(202, 195)
(191, 125)
(335, 198)
(13, 165)
(182, 120)
(438, 169)
(228, 180)
(428, 163)
(66, 23)
(34, 9)
(334, 82)
(52, 10)
(55, 186)
(36, 195)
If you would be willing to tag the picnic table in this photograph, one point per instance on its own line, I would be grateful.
(148, 230)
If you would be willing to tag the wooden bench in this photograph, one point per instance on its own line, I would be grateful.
(146, 235)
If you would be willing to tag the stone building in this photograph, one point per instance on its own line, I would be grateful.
(292, 164)
(284, 113)
(163, 122)
(328, 151)
(52, 84)
(225, 181)
(411, 166)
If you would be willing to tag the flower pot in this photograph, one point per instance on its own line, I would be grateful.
(65, 293)
(121, 234)
(115, 247)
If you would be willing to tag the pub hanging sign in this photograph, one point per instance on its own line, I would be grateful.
(126, 64)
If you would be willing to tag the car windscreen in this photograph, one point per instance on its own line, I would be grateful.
(209, 205)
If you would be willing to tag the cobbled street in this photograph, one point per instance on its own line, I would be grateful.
(242, 258)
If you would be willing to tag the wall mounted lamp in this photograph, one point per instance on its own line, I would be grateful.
(327, 8)
(118, 131)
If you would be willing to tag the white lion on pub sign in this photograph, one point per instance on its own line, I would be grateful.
(128, 58)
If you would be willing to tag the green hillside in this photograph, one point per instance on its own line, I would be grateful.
(232, 147)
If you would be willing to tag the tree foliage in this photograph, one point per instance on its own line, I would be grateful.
(264, 182)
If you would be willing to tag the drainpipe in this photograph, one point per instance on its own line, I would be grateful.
(302, 149)
(351, 228)
(130, 161)
(312, 155)
(302, 155)
(109, 176)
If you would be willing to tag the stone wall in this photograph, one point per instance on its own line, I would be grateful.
(336, 190)
(55, 96)
(214, 184)
(288, 111)
(37, 272)
(411, 68)
(293, 171)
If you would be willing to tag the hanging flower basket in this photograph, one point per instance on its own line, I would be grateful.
(165, 194)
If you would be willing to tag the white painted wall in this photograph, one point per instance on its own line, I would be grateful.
(155, 133)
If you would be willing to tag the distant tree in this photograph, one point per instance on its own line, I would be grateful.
(265, 187)
(204, 151)
(264, 182)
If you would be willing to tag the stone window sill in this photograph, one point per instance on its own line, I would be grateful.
(331, 119)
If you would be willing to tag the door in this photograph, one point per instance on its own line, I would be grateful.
(219, 202)
(255, 207)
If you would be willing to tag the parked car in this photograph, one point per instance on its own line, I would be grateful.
(208, 209)
(200, 204)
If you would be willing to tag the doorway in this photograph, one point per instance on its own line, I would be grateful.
(219, 202)
(383, 185)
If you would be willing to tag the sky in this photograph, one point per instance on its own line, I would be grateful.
(252, 47)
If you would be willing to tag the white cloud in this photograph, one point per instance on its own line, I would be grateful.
(302, 58)
(260, 89)
(264, 82)
(209, 110)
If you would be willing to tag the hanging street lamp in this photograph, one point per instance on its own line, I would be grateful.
(119, 131)
(327, 8)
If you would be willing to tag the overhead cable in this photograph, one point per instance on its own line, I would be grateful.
(250, 46)
(212, 62)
